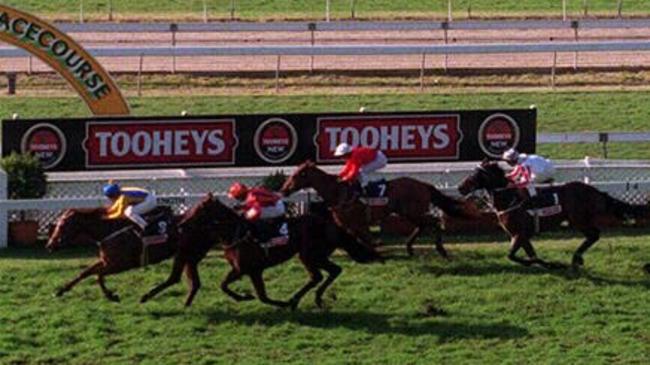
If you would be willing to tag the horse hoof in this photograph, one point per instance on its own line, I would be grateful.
(58, 294)
(577, 261)
(114, 298)
(646, 267)
(144, 299)
(319, 302)
(245, 297)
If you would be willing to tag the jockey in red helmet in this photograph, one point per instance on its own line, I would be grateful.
(360, 161)
(258, 203)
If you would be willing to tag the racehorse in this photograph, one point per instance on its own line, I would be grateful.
(582, 205)
(408, 198)
(312, 237)
(120, 248)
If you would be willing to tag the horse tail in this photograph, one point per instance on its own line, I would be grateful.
(623, 210)
(449, 205)
(358, 251)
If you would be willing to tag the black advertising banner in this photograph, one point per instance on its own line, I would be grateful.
(267, 140)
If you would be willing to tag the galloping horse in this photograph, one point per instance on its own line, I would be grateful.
(408, 198)
(313, 238)
(120, 249)
(583, 206)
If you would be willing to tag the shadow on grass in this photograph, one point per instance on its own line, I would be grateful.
(376, 323)
(568, 273)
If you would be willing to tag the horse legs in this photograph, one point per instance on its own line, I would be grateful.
(89, 271)
(174, 278)
(411, 239)
(591, 236)
(334, 271)
(233, 276)
(315, 277)
(192, 273)
(109, 294)
(260, 289)
(515, 244)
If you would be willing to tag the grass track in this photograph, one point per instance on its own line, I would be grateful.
(313, 9)
(496, 312)
(558, 111)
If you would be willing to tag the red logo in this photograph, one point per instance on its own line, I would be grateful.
(160, 143)
(497, 134)
(46, 142)
(275, 140)
(400, 137)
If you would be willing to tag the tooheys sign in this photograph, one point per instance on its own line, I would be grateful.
(267, 140)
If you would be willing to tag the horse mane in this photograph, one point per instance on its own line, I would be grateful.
(208, 200)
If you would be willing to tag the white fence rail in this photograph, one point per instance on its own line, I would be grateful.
(356, 50)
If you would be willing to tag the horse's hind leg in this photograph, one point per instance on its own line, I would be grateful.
(315, 277)
(260, 289)
(91, 270)
(174, 278)
(109, 294)
(233, 276)
(592, 235)
(515, 244)
(192, 273)
(334, 271)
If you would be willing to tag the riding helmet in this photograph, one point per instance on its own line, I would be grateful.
(111, 190)
(342, 149)
(237, 191)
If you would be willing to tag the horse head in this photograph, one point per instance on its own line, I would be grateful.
(71, 224)
(304, 177)
(487, 175)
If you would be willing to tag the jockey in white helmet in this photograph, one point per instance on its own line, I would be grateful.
(528, 170)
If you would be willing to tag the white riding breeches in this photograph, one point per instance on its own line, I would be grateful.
(378, 163)
(135, 212)
(274, 211)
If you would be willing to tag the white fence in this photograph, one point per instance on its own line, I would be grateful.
(628, 180)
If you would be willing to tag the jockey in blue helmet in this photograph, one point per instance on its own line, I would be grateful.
(129, 202)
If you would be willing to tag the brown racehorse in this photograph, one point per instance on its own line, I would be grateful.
(583, 206)
(408, 198)
(312, 237)
(119, 246)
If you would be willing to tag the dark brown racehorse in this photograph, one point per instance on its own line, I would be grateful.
(408, 198)
(119, 246)
(312, 237)
(583, 206)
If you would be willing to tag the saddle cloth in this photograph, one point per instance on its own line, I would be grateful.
(272, 232)
(159, 221)
(375, 193)
(546, 205)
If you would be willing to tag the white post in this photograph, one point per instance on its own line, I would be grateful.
(564, 10)
(81, 11)
(619, 8)
(327, 10)
(4, 232)
(585, 7)
(110, 10)
(232, 9)
(449, 17)
(205, 11)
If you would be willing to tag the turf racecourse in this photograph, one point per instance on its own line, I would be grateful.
(478, 308)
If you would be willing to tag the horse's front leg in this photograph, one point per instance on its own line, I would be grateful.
(233, 276)
(95, 268)
(530, 251)
(109, 294)
(516, 243)
(315, 277)
(174, 278)
(260, 289)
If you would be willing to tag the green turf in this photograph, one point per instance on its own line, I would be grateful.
(291, 9)
(479, 308)
(558, 111)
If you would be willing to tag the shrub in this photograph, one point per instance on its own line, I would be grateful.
(25, 175)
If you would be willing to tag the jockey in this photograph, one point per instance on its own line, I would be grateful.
(258, 203)
(129, 202)
(360, 161)
(529, 170)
